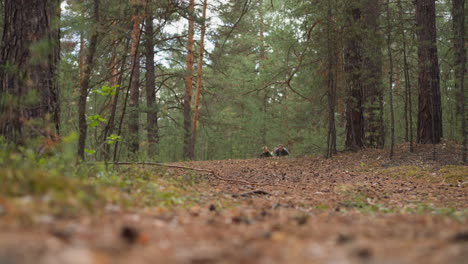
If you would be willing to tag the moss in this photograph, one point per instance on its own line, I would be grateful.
(410, 172)
(453, 173)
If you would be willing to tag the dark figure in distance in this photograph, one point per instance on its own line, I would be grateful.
(281, 151)
(265, 153)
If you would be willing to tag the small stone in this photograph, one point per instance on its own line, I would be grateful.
(343, 239)
(364, 253)
(460, 237)
(129, 234)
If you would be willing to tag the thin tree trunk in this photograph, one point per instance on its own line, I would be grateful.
(458, 14)
(109, 129)
(134, 104)
(201, 47)
(429, 101)
(405, 108)
(188, 83)
(331, 83)
(82, 124)
(264, 92)
(82, 59)
(390, 79)
(127, 94)
(408, 97)
(152, 111)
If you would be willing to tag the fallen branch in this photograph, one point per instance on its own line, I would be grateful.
(252, 193)
(196, 169)
(230, 180)
(163, 165)
(246, 182)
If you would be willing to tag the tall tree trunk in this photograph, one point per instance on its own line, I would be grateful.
(372, 73)
(109, 128)
(353, 69)
(188, 83)
(429, 101)
(152, 111)
(134, 104)
(264, 92)
(82, 124)
(331, 84)
(201, 50)
(82, 58)
(408, 97)
(458, 14)
(127, 94)
(390, 79)
(28, 71)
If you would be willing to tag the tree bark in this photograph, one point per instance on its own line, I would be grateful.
(188, 83)
(372, 73)
(390, 79)
(331, 84)
(109, 128)
(264, 93)
(134, 104)
(429, 101)
(408, 97)
(458, 14)
(82, 59)
(201, 49)
(82, 124)
(152, 111)
(28, 71)
(353, 69)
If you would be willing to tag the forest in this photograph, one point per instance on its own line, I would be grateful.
(132, 130)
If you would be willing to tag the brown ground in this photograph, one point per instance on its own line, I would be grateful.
(354, 208)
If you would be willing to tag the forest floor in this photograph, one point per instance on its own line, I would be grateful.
(353, 208)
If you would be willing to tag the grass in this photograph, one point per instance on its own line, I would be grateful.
(365, 205)
(428, 208)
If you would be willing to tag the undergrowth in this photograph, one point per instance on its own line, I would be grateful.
(53, 183)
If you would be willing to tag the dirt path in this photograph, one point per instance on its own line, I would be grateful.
(351, 209)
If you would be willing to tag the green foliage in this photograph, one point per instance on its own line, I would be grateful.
(94, 120)
(90, 151)
(113, 138)
(106, 90)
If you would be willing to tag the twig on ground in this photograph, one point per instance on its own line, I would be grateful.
(247, 194)
(163, 165)
(197, 169)
(246, 182)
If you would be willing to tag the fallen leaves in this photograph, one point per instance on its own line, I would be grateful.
(348, 209)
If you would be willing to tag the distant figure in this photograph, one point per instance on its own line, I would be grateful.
(265, 153)
(281, 151)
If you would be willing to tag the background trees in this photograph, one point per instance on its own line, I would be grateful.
(309, 75)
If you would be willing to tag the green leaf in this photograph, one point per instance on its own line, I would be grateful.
(106, 90)
(90, 151)
(113, 138)
(95, 120)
